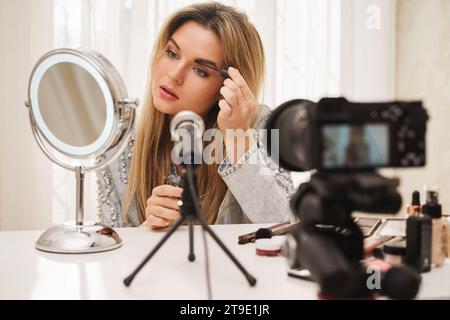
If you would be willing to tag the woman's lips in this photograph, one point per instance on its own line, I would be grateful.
(166, 95)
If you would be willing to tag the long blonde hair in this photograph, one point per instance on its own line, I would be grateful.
(242, 49)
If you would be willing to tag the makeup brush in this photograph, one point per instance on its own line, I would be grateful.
(265, 233)
(269, 232)
(224, 73)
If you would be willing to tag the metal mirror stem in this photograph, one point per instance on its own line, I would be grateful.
(79, 175)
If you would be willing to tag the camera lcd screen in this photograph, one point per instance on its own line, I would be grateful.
(355, 146)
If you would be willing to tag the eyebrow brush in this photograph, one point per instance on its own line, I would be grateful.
(224, 72)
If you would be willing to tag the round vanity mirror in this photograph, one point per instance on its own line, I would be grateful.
(81, 119)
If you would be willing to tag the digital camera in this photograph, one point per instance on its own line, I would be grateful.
(337, 135)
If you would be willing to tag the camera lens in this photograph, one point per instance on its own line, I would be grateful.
(291, 121)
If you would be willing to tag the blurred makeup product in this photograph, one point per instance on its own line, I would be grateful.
(263, 233)
(394, 251)
(269, 247)
(393, 227)
(173, 179)
(418, 243)
(433, 209)
(380, 263)
(275, 230)
(414, 208)
(373, 246)
(368, 225)
(300, 273)
(447, 222)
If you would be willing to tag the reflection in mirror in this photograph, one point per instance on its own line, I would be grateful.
(72, 104)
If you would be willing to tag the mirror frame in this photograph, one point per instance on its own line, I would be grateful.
(120, 111)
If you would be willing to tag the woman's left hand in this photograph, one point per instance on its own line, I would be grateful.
(236, 112)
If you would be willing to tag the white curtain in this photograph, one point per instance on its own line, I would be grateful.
(26, 32)
(301, 40)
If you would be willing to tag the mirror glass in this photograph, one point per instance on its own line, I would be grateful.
(72, 104)
(72, 101)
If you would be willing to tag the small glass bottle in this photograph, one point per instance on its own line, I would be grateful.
(414, 208)
(433, 208)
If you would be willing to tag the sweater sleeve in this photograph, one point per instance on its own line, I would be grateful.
(112, 182)
(259, 185)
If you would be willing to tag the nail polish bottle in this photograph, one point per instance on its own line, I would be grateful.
(433, 209)
(414, 208)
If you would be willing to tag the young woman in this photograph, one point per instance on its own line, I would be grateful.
(194, 44)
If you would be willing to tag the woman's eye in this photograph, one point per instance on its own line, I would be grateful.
(171, 54)
(201, 73)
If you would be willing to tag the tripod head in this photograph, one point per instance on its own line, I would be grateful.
(341, 193)
(330, 244)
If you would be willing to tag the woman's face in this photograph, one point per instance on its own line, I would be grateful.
(180, 69)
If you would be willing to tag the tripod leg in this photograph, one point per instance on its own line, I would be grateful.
(251, 280)
(127, 281)
(191, 256)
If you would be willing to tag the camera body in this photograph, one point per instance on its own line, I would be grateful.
(337, 135)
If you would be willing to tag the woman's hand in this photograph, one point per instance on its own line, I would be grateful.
(162, 206)
(236, 112)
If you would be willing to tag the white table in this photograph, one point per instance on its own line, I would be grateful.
(26, 273)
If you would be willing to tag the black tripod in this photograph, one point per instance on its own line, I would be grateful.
(331, 243)
(190, 210)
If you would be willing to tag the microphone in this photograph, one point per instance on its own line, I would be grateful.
(186, 130)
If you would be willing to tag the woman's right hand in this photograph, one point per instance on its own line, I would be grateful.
(162, 206)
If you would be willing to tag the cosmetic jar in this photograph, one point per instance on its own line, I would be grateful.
(269, 247)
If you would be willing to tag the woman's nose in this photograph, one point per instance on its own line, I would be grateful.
(177, 74)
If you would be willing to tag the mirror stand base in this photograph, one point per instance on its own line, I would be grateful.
(88, 237)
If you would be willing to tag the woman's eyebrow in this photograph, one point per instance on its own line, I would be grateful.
(206, 63)
(175, 43)
(200, 61)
